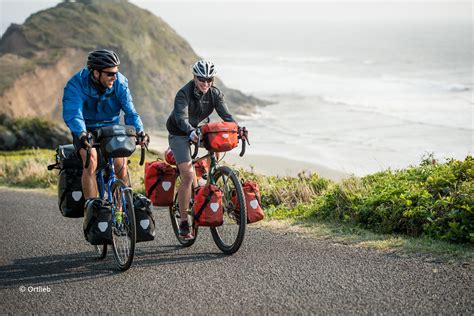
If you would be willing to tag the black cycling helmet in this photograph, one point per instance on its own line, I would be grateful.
(102, 59)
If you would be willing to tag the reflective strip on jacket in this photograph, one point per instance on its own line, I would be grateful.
(84, 108)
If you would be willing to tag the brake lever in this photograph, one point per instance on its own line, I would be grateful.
(88, 150)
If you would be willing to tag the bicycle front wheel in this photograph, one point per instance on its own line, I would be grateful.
(124, 226)
(229, 236)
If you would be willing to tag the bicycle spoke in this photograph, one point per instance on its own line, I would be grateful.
(123, 225)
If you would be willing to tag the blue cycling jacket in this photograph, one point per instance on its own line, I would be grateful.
(84, 108)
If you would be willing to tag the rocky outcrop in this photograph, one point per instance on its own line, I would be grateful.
(38, 93)
(38, 57)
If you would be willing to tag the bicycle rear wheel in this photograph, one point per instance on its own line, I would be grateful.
(124, 226)
(229, 236)
(100, 251)
(175, 217)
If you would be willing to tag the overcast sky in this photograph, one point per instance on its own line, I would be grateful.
(16, 11)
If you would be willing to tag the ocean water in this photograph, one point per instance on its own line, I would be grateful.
(357, 87)
(357, 117)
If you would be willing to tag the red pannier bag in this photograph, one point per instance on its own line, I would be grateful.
(208, 209)
(201, 167)
(160, 178)
(220, 136)
(252, 200)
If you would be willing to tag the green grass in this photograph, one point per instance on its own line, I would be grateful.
(28, 169)
(397, 244)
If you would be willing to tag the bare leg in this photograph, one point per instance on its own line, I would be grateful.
(186, 173)
(89, 184)
(121, 169)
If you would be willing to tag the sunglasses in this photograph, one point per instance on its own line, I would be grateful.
(109, 73)
(208, 80)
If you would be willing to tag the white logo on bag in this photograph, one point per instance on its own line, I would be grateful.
(121, 138)
(103, 226)
(166, 185)
(214, 207)
(254, 204)
(225, 135)
(76, 195)
(144, 223)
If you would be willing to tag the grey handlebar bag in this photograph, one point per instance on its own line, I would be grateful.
(117, 140)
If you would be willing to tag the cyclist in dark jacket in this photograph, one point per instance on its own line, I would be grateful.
(93, 98)
(193, 103)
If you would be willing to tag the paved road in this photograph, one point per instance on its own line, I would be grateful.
(271, 273)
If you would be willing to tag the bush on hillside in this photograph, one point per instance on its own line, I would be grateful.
(31, 133)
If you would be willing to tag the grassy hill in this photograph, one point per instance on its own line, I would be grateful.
(154, 57)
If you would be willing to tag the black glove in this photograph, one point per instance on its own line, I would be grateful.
(84, 141)
(143, 138)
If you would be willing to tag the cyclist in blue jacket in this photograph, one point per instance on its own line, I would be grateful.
(93, 98)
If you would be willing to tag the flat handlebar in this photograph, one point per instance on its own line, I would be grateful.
(97, 145)
(243, 135)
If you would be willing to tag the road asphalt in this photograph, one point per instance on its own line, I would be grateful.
(46, 266)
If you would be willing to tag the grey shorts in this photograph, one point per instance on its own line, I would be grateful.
(180, 147)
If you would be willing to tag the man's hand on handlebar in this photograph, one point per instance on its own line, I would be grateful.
(84, 139)
(195, 135)
(243, 133)
(143, 139)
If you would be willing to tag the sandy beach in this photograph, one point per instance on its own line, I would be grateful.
(278, 166)
(262, 164)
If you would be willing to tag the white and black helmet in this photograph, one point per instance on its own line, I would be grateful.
(102, 59)
(204, 68)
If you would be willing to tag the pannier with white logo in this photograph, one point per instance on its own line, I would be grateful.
(208, 210)
(252, 201)
(220, 136)
(70, 196)
(97, 223)
(160, 179)
(144, 218)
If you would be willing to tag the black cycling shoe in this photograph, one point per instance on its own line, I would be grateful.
(184, 232)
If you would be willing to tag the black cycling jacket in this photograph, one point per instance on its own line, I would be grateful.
(191, 107)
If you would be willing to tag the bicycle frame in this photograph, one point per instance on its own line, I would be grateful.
(243, 135)
(105, 192)
(213, 166)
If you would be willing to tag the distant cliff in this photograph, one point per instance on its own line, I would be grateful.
(38, 57)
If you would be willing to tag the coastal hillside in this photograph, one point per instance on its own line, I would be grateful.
(38, 57)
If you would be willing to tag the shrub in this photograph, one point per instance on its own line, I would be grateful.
(432, 199)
